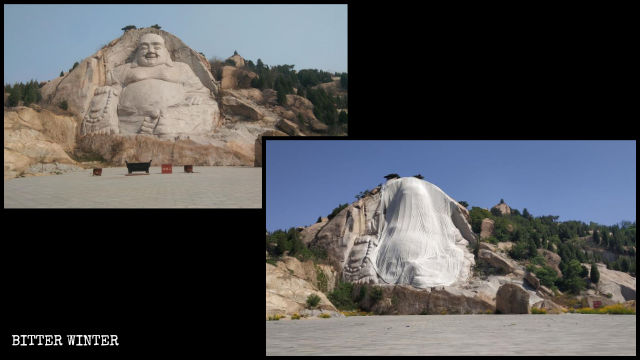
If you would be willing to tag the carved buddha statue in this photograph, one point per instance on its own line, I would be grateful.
(152, 95)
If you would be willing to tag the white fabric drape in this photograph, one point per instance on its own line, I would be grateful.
(417, 243)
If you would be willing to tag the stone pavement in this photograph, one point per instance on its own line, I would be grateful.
(207, 187)
(470, 335)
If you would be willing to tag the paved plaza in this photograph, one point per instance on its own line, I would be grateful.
(470, 335)
(207, 187)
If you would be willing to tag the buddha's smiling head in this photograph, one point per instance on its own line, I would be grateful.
(151, 51)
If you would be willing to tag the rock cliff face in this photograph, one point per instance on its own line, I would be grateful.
(33, 137)
(290, 283)
(409, 232)
(620, 285)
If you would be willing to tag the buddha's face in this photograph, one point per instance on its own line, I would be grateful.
(151, 51)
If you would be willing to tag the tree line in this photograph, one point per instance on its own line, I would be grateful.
(28, 93)
(574, 241)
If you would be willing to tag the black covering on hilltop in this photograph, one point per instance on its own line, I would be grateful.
(419, 176)
(391, 176)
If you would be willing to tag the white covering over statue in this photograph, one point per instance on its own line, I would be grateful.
(152, 95)
(411, 239)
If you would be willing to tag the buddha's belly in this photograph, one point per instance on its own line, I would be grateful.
(151, 94)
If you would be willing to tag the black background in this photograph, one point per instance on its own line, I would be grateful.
(190, 281)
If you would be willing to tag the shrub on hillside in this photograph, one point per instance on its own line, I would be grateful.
(312, 301)
(341, 296)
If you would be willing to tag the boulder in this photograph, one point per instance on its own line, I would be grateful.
(620, 285)
(486, 228)
(289, 127)
(532, 279)
(512, 299)
(241, 109)
(504, 209)
(287, 293)
(229, 80)
(545, 291)
(252, 94)
(497, 261)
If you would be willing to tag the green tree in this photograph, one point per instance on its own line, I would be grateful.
(595, 273)
(547, 275)
(156, 26)
(61, 73)
(572, 280)
(16, 95)
(501, 201)
(532, 248)
(128, 27)
(464, 203)
(496, 212)
(624, 264)
(235, 52)
(343, 80)
(596, 237)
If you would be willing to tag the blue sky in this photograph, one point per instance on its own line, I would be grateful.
(42, 40)
(577, 180)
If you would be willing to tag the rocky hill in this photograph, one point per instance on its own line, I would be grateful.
(121, 104)
(397, 250)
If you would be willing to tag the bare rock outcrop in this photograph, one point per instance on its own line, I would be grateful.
(408, 300)
(117, 149)
(532, 279)
(486, 228)
(503, 208)
(497, 260)
(512, 299)
(241, 109)
(36, 136)
(309, 233)
(620, 285)
(287, 293)
(237, 59)
(309, 271)
(289, 127)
